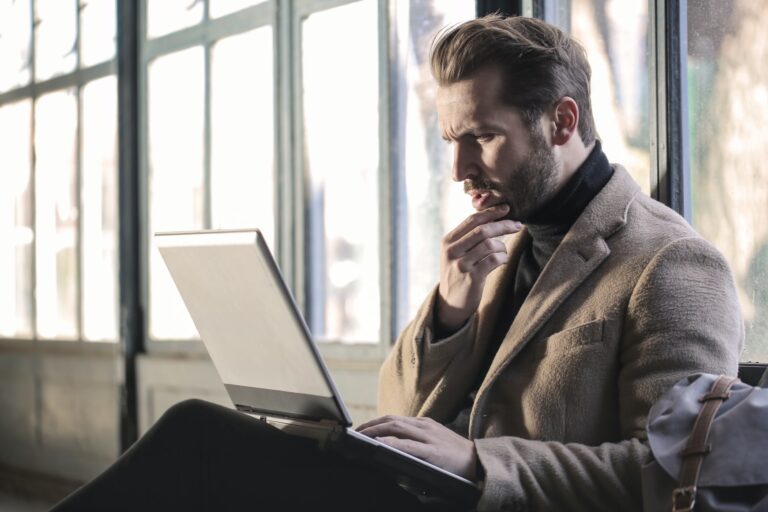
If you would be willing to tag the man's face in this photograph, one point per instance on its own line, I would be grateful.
(498, 157)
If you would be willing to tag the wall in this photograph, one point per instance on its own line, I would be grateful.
(60, 408)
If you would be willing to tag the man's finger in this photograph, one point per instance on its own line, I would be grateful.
(398, 428)
(418, 422)
(480, 233)
(375, 421)
(477, 219)
(484, 267)
(479, 252)
(409, 446)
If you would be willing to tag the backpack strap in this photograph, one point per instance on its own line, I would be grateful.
(684, 496)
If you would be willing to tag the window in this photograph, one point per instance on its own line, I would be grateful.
(429, 204)
(340, 107)
(324, 198)
(58, 102)
(209, 138)
(615, 35)
(728, 113)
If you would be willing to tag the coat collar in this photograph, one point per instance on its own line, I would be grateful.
(582, 250)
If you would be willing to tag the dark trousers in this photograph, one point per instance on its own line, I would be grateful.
(200, 456)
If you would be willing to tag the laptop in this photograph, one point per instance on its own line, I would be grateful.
(267, 359)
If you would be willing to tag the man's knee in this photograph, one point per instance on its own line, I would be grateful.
(187, 413)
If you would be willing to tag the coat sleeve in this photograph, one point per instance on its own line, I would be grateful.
(682, 318)
(413, 375)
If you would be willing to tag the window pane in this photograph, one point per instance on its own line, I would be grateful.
(340, 99)
(55, 37)
(728, 109)
(242, 125)
(99, 209)
(435, 204)
(614, 34)
(97, 31)
(165, 16)
(175, 175)
(222, 7)
(16, 222)
(15, 34)
(56, 217)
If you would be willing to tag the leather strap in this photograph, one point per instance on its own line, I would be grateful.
(684, 496)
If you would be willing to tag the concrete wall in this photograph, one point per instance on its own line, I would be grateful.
(59, 408)
(59, 411)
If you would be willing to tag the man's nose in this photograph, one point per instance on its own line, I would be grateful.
(463, 165)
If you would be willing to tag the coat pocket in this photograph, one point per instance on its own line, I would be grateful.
(580, 335)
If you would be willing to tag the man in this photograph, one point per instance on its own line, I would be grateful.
(532, 366)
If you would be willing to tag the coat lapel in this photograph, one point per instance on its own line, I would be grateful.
(582, 251)
(494, 293)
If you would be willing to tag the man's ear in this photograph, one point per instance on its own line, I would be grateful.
(566, 120)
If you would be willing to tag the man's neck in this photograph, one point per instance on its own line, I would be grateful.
(571, 157)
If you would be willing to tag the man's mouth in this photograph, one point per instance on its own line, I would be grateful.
(485, 198)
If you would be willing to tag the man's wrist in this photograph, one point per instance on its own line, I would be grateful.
(441, 331)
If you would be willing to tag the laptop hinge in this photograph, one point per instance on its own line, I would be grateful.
(323, 430)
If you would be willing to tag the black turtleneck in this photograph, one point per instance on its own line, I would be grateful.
(550, 224)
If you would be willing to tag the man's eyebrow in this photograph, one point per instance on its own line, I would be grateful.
(472, 132)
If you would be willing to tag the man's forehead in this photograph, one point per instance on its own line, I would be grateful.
(468, 104)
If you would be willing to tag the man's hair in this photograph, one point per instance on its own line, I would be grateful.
(540, 64)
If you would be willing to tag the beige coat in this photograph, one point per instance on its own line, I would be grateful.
(631, 301)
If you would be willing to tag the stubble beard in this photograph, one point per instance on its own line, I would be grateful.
(529, 185)
(532, 183)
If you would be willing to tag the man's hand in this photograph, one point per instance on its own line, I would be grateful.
(468, 254)
(428, 440)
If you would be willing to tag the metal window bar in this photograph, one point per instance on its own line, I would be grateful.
(131, 242)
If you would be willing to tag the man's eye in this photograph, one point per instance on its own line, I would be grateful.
(485, 137)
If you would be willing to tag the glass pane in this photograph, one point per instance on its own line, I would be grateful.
(55, 37)
(16, 221)
(176, 99)
(434, 203)
(99, 209)
(242, 126)
(56, 217)
(97, 31)
(222, 7)
(614, 34)
(728, 109)
(165, 16)
(341, 141)
(15, 34)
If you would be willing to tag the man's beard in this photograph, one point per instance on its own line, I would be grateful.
(529, 185)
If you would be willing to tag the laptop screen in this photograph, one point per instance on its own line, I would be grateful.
(249, 324)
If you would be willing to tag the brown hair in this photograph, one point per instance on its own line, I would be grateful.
(540, 64)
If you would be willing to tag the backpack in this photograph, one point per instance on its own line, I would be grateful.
(708, 436)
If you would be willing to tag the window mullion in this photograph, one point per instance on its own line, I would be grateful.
(32, 166)
(284, 168)
(80, 310)
(387, 197)
(131, 229)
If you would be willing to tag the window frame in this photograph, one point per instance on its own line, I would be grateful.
(291, 177)
(77, 79)
(206, 33)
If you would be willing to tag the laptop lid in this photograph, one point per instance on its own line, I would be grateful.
(250, 325)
